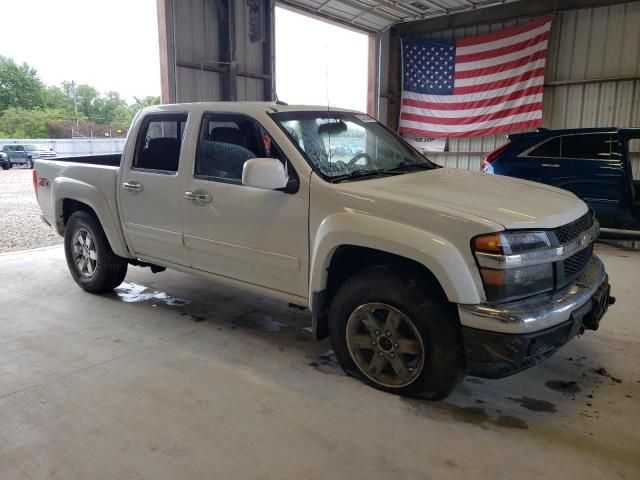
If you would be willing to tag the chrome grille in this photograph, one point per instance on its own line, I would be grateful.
(571, 231)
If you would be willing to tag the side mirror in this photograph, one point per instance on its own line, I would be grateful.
(265, 173)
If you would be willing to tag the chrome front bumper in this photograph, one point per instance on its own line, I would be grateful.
(539, 312)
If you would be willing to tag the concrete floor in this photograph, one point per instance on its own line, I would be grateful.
(186, 379)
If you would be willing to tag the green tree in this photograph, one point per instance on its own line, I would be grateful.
(56, 98)
(20, 86)
(87, 99)
(23, 123)
(107, 106)
(28, 108)
(145, 102)
(122, 116)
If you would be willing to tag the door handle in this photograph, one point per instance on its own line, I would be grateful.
(132, 187)
(198, 197)
(552, 165)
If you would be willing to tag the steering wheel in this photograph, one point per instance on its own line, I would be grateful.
(358, 156)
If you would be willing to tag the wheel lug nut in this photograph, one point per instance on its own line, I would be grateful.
(373, 342)
(396, 345)
(388, 333)
(377, 332)
(380, 353)
(392, 355)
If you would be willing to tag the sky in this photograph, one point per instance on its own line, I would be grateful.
(318, 62)
(113, 45)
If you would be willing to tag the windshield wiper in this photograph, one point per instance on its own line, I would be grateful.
(405, 167)
(359, 174)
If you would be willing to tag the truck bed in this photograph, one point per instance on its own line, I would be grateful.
(111, 159)
(89, 179)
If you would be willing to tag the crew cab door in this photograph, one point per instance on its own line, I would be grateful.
(253, 235)
(151, 190)
(592, 167)
(587, 164)
(17, 154)
(630, 146)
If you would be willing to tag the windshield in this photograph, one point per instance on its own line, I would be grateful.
(31, 147)
(343, 144)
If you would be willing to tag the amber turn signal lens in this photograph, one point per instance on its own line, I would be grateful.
(492, 277)
(489, 243)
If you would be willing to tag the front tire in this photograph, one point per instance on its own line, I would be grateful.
(29, 164)
(92, 263)
(392, 331)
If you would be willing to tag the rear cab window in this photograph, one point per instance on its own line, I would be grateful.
(159, 143)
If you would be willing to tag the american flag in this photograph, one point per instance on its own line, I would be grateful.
(475, 86)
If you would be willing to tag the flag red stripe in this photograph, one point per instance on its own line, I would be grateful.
(538, 72)
(498, 52)
(509, 32)
(474, 104)
(513, 127)
(502, 66)
(507, 112)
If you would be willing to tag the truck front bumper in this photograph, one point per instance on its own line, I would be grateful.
(503, 339)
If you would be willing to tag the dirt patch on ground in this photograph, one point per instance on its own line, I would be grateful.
(20, 224)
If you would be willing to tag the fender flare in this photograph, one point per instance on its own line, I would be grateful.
(64, 188)
(440, 256)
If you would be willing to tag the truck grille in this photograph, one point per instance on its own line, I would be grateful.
(575, 263)
(572, 267)
(571, 231)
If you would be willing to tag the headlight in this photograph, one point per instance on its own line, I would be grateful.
(505, 274)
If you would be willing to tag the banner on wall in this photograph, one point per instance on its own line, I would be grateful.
(427, 144)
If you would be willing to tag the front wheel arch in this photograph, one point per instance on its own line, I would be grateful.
(349, 260)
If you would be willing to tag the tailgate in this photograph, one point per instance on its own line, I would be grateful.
(44, 173)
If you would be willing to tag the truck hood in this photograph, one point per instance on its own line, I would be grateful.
(511, 202)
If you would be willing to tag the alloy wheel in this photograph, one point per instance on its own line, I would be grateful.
(85, 255)
(385, 345)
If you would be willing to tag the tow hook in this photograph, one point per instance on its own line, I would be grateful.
(612, 300)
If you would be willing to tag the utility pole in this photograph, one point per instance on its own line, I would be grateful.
(75, 103)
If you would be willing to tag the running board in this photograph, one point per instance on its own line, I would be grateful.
(616, 234)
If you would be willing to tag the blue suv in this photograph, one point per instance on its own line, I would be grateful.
(596, 164)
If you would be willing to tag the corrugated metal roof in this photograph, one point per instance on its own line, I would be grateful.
(378, 15)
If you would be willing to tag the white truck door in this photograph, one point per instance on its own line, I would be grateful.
(152, 192)
(248, 234)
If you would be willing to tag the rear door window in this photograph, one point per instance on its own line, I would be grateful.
(590, 147)
(549, 149)
(159, 143)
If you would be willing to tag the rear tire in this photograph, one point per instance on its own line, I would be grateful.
(394, 332)
(92, 263)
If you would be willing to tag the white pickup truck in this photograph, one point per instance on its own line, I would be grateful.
(418, 274)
